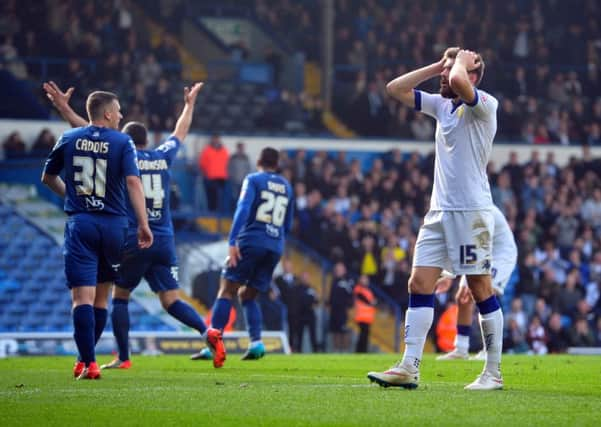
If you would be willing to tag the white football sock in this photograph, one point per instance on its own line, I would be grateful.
(462, 343)
(418, 321)
(491, 325)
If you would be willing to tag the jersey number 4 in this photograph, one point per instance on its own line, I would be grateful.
(153, 189)
(273, 209)
(91, 180)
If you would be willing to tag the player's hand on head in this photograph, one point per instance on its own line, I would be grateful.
(145, 237)
(234, 256)
(56, 95)
(468, 58)
(190, 94)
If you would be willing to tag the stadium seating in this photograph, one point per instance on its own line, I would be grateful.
(33, 295)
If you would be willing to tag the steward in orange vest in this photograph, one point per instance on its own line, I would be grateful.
(365, 312)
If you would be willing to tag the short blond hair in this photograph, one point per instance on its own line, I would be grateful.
(451, 53)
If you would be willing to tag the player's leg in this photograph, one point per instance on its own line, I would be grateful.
(114, 243)
(81, 264)
(120, 320)
(418, 320)
(430, 258)
(465, 308)
(254, 322)
(491, 325)
(219, 317)
(181, 310)
(258, 281)
(103, 290)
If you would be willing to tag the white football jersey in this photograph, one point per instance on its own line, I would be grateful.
(464, 136)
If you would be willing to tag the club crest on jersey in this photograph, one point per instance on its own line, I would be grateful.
(94, 204)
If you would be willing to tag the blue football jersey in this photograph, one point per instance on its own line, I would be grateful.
(154, 170)
(264, 212)
(95, 161)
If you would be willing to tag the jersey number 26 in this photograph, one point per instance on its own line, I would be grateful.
(273, 208)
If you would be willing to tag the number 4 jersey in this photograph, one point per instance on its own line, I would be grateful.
(263, 215)
(95, 161)
(154, 171)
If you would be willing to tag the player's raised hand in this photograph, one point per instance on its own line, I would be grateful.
(234, 256)
(190, 94)
(468, 58)
(145, 237)
(54, 93)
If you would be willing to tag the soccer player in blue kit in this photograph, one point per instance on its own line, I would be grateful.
(262, 220)
(100, 169)
(158, 264)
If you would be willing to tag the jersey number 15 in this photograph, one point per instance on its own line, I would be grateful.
(273, 209)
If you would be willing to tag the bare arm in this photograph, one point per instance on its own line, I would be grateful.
(60, 100)
(402, 87)
(182, 126)
(55, 183)
(459, 79)
(136, 197)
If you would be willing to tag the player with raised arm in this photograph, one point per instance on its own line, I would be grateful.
(261, 222)
(457, 231)
(100, 168)
(504, 258)
(158, 264)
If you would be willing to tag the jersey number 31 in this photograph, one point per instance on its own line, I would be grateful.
(273, 208)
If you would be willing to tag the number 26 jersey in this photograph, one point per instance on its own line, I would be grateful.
(263, 215)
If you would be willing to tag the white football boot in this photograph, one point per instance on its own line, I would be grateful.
(481, 355)
(397, 376)
(453, 355)
(486, 381)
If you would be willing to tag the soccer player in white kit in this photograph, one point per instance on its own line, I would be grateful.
(458, 229)
(504, 258)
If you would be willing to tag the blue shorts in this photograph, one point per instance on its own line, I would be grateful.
(255, 269)
(157, 264)
(93, 248)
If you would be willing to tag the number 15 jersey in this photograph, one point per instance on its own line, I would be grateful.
(96, 161)
(263, 215)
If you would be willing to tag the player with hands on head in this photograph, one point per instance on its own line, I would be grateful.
(458, 229)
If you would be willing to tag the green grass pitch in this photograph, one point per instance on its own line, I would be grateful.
(298, 390)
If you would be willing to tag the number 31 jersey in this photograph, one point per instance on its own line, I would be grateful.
(263, 215)
(154, 171)
(95, 161)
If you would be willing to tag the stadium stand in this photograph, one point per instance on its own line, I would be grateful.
(362, 210)
(32, 280)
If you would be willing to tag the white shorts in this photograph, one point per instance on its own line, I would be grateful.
(457, 241)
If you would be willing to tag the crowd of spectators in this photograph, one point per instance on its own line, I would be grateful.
(369, 222)
(105, 45)
(543, 60)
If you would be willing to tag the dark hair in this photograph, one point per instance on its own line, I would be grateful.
(138, 133)
(452, 52)
(97, 102)
(269, 158)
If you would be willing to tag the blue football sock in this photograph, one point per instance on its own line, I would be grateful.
(83, 325)
(221, 313)
(100, 316)
(187, 315)
(120, 319)
(252, 315)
